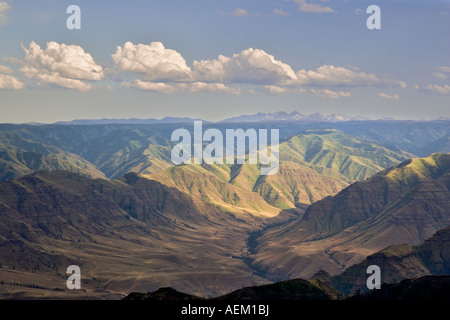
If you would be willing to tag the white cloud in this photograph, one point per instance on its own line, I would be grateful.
(439, 75)
(154, 60)
(180, 87)
(3, 7)
(330, 94)
(212, 87)
(10, 82)
(152, 86)
(165, 70)
(7, 81)
(62, 65)
(328, 75)
(437, 89)
(274, 90)
(249, 66)
(239, 12)
(13, 60)
(359, 11)
(444, 69)
(5, 69)
(279, 12)
(387, 96)
(310, 7)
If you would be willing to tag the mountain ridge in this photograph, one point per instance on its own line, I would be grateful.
(339, 231)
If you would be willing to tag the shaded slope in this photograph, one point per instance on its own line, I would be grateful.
(426, 288)
(296, 289)
(126, 235)
(399, 262)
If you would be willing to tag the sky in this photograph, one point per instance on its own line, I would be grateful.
(215, 59)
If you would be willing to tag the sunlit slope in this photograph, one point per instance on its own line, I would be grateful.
(334, 153)
(17, 162)
(313, 165)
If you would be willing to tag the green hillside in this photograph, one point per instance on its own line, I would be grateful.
(313, 165)
(334, 153)
(17, 162)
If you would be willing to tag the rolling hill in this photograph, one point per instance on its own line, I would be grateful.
(313, 165)
(126, 235)
(404, 204)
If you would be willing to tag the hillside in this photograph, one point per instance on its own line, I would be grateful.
(295, 289)
(115, 149)
(313, 165)
(334, 153)
(426, 288)
(404, 204)
(399, 262)
(130, 234)
(16, 162)
(407, 272)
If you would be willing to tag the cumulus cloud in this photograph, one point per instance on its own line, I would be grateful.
(328, 75)
(5, 69)
(444, 69)
(279, 12)
(387, 96)
(312, 7)
(276, 90)
(239, 12)
(154, 60)
(7, 81)
(249, 66)
(4, 6)
(67, 66)
(212, 87)
(180, 87)
(152, 86)
(165, 70)
(10, 82)
(439, 75)
(445, 89)
(330, 94)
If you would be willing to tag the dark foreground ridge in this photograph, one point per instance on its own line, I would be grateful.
(423, 288)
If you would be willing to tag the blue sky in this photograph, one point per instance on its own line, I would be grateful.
(215, 59)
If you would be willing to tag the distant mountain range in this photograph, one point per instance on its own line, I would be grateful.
(259, 117)
(126, 121)
(293, 116)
